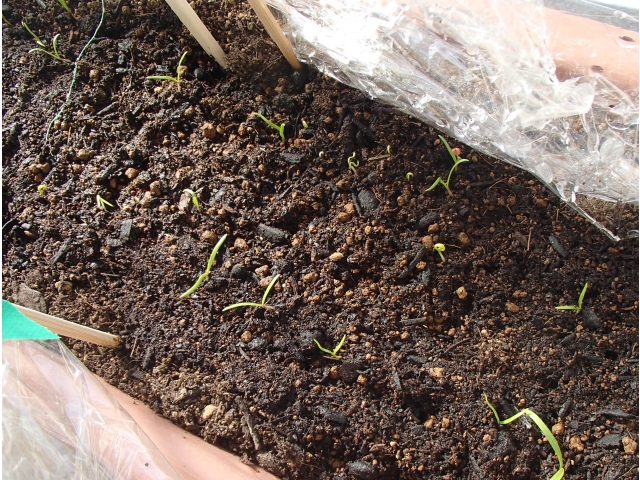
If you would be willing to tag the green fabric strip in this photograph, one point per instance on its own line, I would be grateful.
(15, 326)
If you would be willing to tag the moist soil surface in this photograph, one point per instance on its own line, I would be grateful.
(425, 339)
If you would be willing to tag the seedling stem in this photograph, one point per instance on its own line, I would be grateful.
(194, 197)
(175, 79)
(43, 46)
(279, 129)
(456, 161)
(257, 305)
(334, 352)
(543, 428)
(205, 275)
(102, 203)
(576, 308)
(353, 165)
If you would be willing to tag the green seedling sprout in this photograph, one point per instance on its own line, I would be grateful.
(43, 45)
(409, 176)
(205, 275)
(194, 197)
(305, 124)
(543, 428)
(439, 247)
(252, 304)
(388, 149)
(353, 165)
(102, 203)
(66, 7)
(175, 79)
(334, 352)
(7, 21)
(279, 129)
(578, 307)
(456, 161)
(42, 189)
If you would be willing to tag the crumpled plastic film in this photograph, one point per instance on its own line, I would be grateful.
(484, 72)
(58, 421)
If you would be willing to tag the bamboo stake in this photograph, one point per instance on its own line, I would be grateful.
(70, 329)
(275, 32)
(192, 21)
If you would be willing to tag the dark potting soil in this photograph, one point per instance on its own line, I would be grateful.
(426, 339)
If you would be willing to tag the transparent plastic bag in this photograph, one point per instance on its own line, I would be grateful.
(512, 79)
(58, 421)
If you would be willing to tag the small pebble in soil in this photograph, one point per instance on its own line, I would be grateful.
(332, 416)
(610, 441)
(284, 103)
(630, 445)
(305, 339)
(590, 319)
(512, 307)
(207, 412)
(274, 235)
(558, 428)
(131, 173)
(364, 470)
(576, 444)
(349, 371)
(83, 154)
(310, 277)
(427, 220)
(428, 243)
(246, 336)
(125, 229)
(367, 201)
(426, 277)
(462, 293)
(258, 344)
(241, 244)
(208, 237)
(464, 240)
(336, 257)
(200, 74)
(557, 246)
(208, 130)
(565, 409)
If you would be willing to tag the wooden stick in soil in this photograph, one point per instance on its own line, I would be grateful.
(201, 33)
(275, 32)
(70, 329)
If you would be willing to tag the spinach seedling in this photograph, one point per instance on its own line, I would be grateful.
(205, 275)
(334, 352)
(252, 304)
(43, 46)
(543, 428)
(102, 203)
(194, 197)
(175, 79)
(353, 165)
(409, 176)
(456, 161)
(578, 307)
(42, 189)
(279, 129)
(305, 124)
(439, 247)
(388, 149)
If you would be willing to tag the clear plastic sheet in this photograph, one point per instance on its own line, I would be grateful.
(538, 87)
(58, 421)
